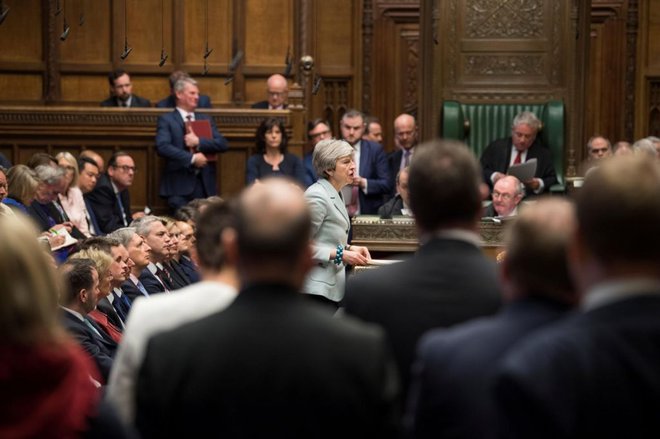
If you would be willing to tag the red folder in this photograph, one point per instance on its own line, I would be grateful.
(202, 129)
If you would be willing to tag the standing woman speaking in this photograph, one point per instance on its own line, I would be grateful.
(333, 161)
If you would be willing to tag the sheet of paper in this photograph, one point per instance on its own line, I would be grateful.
(524, 171)
(68, 239)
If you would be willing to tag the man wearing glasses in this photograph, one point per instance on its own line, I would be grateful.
(278, 92)
(317, 130)
(110, 200)
(507, 194)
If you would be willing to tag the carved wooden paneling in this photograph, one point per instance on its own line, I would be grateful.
(27, 130)
(19, 87)
(654, 107)
(605, 98)
(394, 63)
(506, 51)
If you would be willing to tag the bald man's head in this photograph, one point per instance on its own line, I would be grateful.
(405, 131)
(273, 225)
(278, 91)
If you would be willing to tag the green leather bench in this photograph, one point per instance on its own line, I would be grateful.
(479, 124)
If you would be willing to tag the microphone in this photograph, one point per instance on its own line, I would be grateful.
(126, 52)
(316, 85)
(289, 63)
(4, 10)
(235, 60)
(64, 35)
(163, 57)
(207, 52)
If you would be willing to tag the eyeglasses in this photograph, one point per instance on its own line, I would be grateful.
(322, 133)
(126, 168)
(501, 195)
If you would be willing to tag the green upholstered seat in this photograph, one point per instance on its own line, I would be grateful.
(479, 124)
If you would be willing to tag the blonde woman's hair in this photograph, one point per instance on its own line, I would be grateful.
(102, 260)
(29, 286)
(73, 166)
(22, 183)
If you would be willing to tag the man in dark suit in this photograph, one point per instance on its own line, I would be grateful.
(317, 130)
(597, 373)
(88, 174)
(400, 204)
(277, 89)
(188, 174)
(78, 298)
(371, 185)
(451, 394)
(110, 200)
(155, 277)
(405, 140)
(170, 101)
(295, 371)
(139, 253)
(449, 280)
(522, 146)
(121, 92)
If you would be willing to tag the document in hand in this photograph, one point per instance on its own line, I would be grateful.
(202, 129)
(524, 171)
(68, 239)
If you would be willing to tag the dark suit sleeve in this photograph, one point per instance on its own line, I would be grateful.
(110, 102)
(217, 144)
(140, 102)
(252, 169)
(102, 359)
(545, 168)
(493, 159)
(299, 171)
(103, 202)
(380, 182)
(166, 144)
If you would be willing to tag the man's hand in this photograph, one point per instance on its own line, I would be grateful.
(199, 160)
(191, 138)
(359, 182)
(533, 184)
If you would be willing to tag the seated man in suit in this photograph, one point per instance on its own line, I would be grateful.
(78, 298)
(155, 277)
(139, 253)
(272, 353)
(121, 92)
(400, 204)
(451, 394)
(317, 130)
(170, 101)
(507, 194)
(371, 183)
(595, 374)
(110, 200)
(522, 146)
(405, 141)
(449, 280)
(277, 89)
(188, 173)
(88, 174)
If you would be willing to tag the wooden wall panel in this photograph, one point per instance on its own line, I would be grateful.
(90, 43)
(268, 33)
(144, 30)
(220, 31)
(605, 97)
(336, 36)
(80, 89)
(21, 87)
(21, 34)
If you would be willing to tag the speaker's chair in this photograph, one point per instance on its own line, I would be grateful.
(479, 124)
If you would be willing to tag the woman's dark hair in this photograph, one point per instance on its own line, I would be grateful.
(267, 125)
